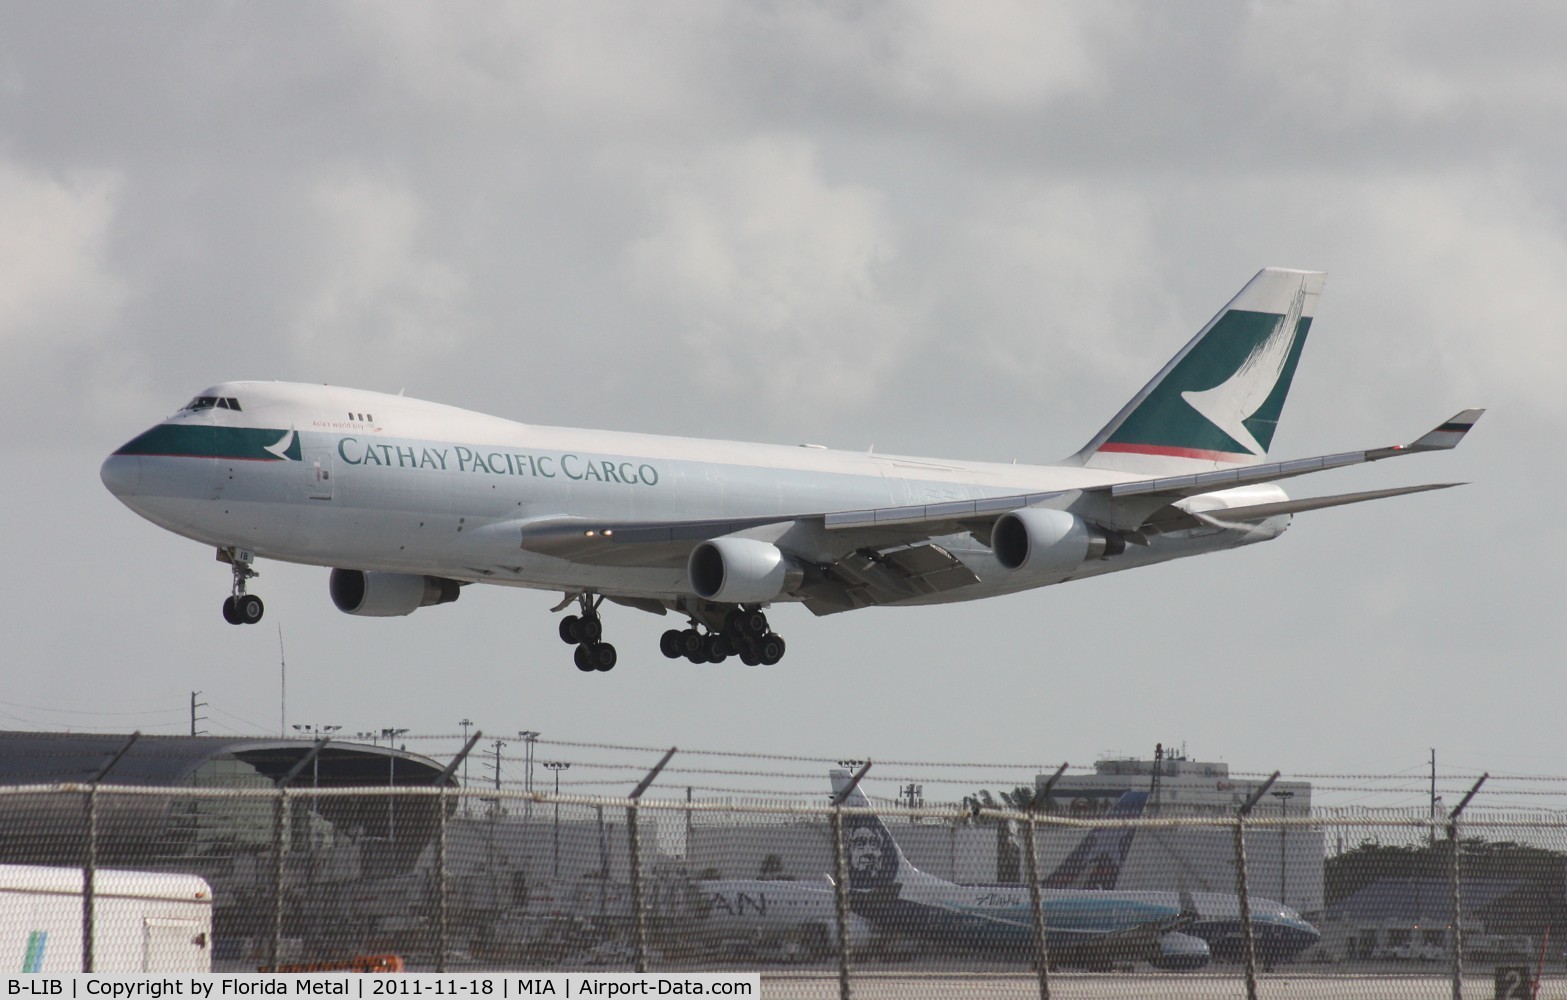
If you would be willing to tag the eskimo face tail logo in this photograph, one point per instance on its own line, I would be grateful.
(1221, 402)
(872, 857)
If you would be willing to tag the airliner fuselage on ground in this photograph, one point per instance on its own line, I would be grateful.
(410, 500)
(1087, 921)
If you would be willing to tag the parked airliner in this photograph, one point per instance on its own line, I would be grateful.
(804, 913)
(409, 501)
(1087, 920)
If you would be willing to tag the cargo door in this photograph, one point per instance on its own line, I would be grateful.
(318, 473)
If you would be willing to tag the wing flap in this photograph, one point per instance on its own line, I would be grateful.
(867, 577)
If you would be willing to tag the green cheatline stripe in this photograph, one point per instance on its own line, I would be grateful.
(206, 441)
(33, 961)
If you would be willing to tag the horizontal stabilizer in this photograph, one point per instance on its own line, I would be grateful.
(1256, 512)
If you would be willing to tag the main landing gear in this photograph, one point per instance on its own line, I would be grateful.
(586, 631)
(745, 633)
(240, 608)
(716, 632)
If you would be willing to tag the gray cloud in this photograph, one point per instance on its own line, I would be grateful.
(934, 229)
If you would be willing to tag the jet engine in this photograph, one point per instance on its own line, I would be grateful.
(384, 595)
(1180, 952)
(741, 571)
(1046, 541)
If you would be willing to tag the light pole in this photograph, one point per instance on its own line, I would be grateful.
(529, 737)
(465, 723)
(1284, 801)
(557, 766)
(391, 782)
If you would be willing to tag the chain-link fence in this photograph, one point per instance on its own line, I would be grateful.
(823, 899)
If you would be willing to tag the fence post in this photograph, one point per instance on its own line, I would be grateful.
(1452, 874)
(441, 875)
(840, 876)
(275, 947)
(638, 916)
(1035, 897)
(1242, 889)
(279, 810)
(89, 877)
(440, 882)
(90, 858)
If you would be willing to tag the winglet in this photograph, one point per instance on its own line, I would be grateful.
(1443, 437)
(1449, 433)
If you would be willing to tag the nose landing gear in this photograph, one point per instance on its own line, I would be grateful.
(586, 632)
(241, 608)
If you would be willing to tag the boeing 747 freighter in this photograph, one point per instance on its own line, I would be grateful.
(409, 501)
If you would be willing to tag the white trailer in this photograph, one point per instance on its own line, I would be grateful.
(142, 921)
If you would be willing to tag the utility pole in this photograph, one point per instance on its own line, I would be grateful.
(194, 718)
(282, 688)
(529, 737)
(496, 808)
(1433, 798)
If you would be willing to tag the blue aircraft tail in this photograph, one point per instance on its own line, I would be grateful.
(1096, 862)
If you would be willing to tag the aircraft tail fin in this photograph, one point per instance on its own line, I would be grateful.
(874, 860)
(1217, 403)
(1096, 862)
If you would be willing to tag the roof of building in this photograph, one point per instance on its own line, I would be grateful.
(32, 758)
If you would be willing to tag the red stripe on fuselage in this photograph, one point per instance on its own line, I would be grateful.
(1167, 451)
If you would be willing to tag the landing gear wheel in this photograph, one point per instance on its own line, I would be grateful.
(249, 609)
(584, 660)
(691, 644)
(751, 623)
(230, 612)
(570, 632)
(603, 655)
(590, 628)
(716, 647)
(671, 644)
(770, 650)
(749, 658)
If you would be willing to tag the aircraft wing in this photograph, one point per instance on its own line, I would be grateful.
(1156, 493)
(884, 554)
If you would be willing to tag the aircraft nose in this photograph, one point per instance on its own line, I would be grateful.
(121, 474)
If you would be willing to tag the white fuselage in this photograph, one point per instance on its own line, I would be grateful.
(349, 478)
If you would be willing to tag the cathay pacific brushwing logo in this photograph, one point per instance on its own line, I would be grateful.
(287, 447)
(1221, 400)
(1237, 399)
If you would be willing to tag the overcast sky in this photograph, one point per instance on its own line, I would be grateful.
(969, 231)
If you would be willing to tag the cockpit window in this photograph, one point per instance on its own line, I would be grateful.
(210, 402)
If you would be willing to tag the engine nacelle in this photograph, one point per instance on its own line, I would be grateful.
(385, 595)
(1181, 952)
(741, 571)
(1046, 541)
